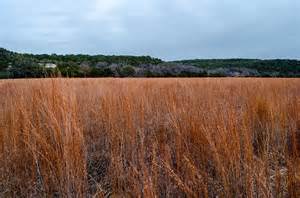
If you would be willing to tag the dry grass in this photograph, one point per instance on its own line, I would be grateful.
(150, 138)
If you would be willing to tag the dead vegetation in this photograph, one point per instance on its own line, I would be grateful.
(150, 138)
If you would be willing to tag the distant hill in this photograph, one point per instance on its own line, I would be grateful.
(18, 65)
(248, 67)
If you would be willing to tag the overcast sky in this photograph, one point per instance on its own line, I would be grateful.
(168, 29)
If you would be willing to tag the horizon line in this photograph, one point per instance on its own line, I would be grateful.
(162, 59)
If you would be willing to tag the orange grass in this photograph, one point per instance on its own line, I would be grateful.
(150, 137)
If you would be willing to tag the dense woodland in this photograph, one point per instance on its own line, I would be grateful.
(17, 65)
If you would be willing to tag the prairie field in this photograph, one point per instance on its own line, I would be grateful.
(200, 137)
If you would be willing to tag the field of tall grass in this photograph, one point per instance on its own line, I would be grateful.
(224, 137)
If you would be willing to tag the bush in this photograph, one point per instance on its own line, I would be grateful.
(127, 71)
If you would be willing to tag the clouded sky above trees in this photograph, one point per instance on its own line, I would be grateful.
(168, 29)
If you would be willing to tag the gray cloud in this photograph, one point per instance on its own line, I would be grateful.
(168, 29)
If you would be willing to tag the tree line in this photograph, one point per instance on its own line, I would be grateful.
(18, 65)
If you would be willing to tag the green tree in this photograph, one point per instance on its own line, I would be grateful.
(127, 71)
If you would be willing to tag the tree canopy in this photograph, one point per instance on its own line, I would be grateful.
(18, 65)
